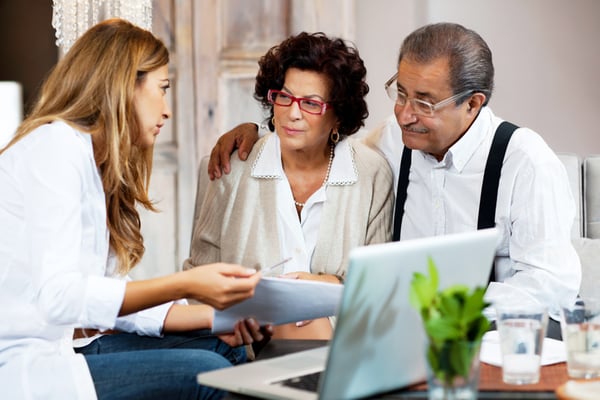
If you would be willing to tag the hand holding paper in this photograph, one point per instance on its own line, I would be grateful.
(279, 301)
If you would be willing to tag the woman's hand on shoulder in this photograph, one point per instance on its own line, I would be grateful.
(220, 285)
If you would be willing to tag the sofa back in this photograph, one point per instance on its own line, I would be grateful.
(591, 196)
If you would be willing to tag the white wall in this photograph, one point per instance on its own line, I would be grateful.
(546, 55)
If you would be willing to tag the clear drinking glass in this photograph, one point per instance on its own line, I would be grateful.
(581, 334)
(453, 370)
(521, 332)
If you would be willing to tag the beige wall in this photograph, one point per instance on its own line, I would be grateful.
(546, 55)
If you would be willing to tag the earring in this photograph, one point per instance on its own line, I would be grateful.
(334, 137)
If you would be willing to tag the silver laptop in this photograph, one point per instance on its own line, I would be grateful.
(379, 343)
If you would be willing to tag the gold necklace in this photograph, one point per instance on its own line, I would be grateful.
(300, 205)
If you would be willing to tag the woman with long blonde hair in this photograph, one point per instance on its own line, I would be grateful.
(69, 233)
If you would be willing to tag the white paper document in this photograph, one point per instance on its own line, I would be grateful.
(280, 301)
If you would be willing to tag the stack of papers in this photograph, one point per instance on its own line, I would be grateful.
(280, 301)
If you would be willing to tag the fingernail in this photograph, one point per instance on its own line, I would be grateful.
(299, 324)
(250, 271)
(244, 155)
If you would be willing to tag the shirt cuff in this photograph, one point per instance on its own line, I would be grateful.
(102, 302)
(148, 322)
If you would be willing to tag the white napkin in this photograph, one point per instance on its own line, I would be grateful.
(553, 351)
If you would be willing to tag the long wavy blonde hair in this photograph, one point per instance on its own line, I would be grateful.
(92, 89)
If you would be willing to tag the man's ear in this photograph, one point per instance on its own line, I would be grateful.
(475, 102)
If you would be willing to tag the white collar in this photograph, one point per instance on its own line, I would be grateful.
(461, 152)
(268, 162)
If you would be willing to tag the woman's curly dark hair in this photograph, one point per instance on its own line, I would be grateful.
(339, 62)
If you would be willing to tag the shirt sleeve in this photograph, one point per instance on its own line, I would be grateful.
(543, 266)
(148, 322)
(54, 175)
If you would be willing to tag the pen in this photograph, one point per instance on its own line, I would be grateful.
(265, 271)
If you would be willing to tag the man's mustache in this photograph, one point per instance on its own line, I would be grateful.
(414, 129)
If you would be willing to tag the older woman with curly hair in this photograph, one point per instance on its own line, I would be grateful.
(307, 191)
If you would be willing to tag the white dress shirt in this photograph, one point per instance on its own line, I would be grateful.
(298, 237)
(54, 268)
(535, 261)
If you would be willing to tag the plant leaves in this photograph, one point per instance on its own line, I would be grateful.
(442, 329)
(450, 317)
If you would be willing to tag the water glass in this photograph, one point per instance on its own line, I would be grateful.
(521, 334)
(453, 370)
(581, 334)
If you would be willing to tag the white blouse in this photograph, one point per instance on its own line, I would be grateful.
(54, 269)
(298, 237)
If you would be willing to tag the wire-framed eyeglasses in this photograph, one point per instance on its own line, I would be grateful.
(420, 107)
(284, 99)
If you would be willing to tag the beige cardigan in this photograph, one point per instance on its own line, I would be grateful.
(235, 215)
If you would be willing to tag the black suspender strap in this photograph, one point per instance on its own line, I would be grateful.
(491, 175)
(491, 179)
(401, 194)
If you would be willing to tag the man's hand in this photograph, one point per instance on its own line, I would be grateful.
(242, 137)
(247, 332)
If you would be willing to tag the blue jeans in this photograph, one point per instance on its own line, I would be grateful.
(129, 366)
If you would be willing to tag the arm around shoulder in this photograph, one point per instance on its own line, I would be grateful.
(242, 137)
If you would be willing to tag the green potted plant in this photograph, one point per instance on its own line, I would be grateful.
(454, 324)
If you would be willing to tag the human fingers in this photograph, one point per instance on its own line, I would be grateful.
(247, 136)
(228, 298)
(228, 142)
(242, 288)
(236, 290)
(234, 338)
(220, 155)
(220, 285)
(214, 163)
(246, 332)
(267, 330)
(241, 137)
(254, 329)
(235, 270)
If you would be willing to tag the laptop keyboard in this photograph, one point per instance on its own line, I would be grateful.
(308, 382)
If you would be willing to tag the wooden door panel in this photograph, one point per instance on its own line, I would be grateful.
(161, 229)
(236, 88)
